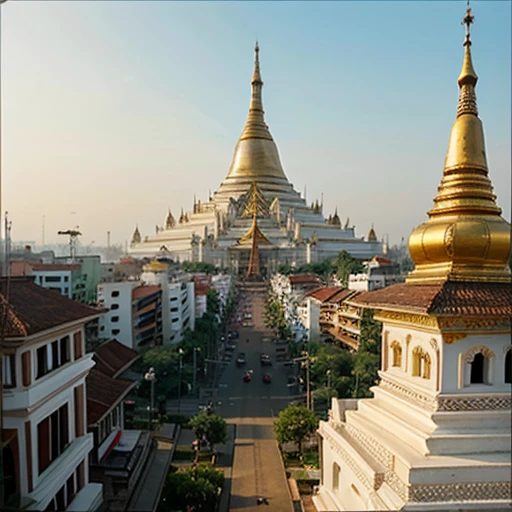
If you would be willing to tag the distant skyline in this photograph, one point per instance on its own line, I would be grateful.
(119, 110)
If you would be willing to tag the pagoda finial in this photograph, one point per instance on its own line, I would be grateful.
(468, 20)
(255, 126)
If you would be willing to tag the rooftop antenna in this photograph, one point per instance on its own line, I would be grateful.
(73, 235)
(108, 239)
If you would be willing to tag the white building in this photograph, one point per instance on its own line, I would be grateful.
(380, 272)
(135, 313)
(436, 435)
(178, 301)
(44, 399)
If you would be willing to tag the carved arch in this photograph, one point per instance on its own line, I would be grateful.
(396, 348)
(470, 354)
(437, 352)
(466, 360)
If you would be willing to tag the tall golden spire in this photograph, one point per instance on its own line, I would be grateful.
(465, 238)
(255, 126)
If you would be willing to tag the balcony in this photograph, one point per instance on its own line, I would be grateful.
(26, 398)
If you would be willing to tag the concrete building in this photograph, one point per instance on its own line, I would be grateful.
(380, 272)
(135, 313)
(256, 187)
(178, 301)
(436, 435)
(44, 399)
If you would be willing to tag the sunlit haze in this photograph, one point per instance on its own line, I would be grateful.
(112, 112)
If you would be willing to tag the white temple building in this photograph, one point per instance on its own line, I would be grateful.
(256, 183)
(436, 435)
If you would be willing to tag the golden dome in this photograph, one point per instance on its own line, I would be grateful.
(465, 238)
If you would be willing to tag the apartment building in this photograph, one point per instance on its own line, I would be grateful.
(44, 399)
(135, 313)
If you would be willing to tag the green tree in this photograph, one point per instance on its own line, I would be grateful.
(345, 265)
(295, 423)
(211, 426)
(212, 301)
(196, 487)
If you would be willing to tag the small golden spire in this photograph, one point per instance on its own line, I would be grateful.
(255, 126)
(465, 238)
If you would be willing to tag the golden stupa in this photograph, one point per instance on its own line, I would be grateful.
(256, 158)
(465, 238)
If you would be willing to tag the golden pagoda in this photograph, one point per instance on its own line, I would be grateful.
(465, 238)
(256, 158)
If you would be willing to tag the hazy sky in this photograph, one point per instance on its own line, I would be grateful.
(118, 110)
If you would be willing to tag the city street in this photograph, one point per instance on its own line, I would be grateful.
(258, 471)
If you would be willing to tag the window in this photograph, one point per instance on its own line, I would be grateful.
(66, 279)
(421, 363)
(508, 367)
(175, 320)
(115, 293)
(9, 371)
(52, 279)
(42, 362)
(416, 362)
(427, 363)
(52, 437)
(114, 306)
(476, 367)
(115, 332)
(335, 477)
(174, 310)
(397, 353)
(115, 319)
(102, 328)
(64, 350)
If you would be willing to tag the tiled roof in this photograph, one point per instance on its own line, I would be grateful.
(50, 267)
(342, 295)
(324, 294)
(113, 357)
(382, 261)
(144, 291)
(448, 298)
(304, 279)
(103, 393)
(32, 309)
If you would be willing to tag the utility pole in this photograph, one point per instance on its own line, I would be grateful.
(179, 379)
(150, 376)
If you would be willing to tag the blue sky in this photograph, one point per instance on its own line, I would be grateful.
(118, 110)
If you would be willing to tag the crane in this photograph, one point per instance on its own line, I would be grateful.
(73, 235)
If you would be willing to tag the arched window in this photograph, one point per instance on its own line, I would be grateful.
(508, 367)
(416, 361)
(477, 369)
(477, 366)
(397, 354)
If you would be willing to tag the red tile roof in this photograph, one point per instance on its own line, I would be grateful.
(112, 358)
(305, 279)
(382, 261)
(33, 309)
(342, 295)
(50, 267)
(103, 394)
(144, 291)
(448, 298)
(324, 294)
(201, 289)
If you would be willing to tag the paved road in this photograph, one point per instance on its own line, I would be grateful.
(257, 467)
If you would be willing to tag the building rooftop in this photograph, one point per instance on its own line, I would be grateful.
(304, 279)
(144, 291)
(112, 358)
(325, 294)
(448, 298)
(32, 309)
(57, 267)
(103, 393)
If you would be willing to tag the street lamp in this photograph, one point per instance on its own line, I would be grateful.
(180, 352)
(150, 376)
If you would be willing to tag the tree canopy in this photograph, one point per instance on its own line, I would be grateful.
(211, 426)
(345, 265)
(294, 424)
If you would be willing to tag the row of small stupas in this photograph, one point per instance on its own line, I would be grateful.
(256, 186)
(436, 434)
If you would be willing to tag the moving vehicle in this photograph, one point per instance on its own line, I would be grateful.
(265, 360)
(267, 379)
(240, 360)
(247, 377)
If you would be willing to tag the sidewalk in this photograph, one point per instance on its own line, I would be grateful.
(225, 462)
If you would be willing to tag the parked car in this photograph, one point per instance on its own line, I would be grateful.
(267, 379)
(247, 377)
(265, 360)
(240, 360)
